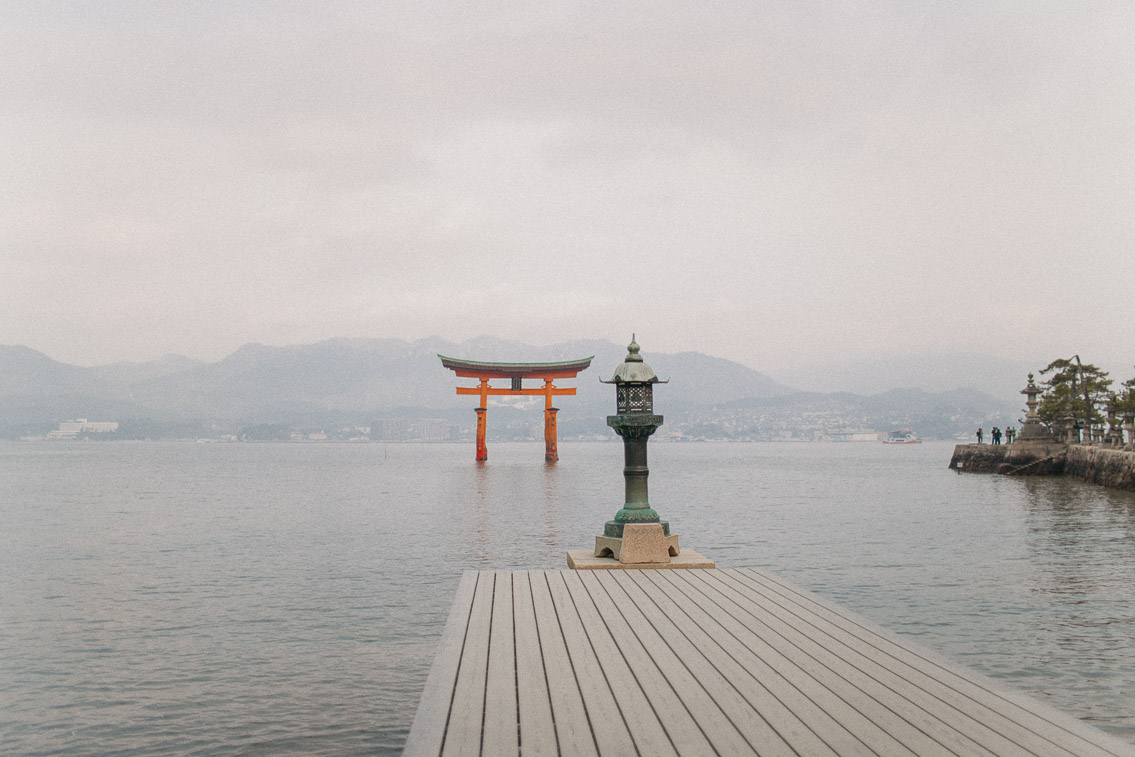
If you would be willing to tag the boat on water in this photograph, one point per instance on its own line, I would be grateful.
(902, 436)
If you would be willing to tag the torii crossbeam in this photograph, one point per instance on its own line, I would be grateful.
(516, 372)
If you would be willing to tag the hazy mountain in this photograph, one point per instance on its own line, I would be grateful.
(269, 383)
(931, 372)
(358, 380)
(353, 377)
(26, 372)
(933, 415)
(34, 389)
(132, 373)
(369, 376)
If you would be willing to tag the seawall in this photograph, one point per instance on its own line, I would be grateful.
(1105, 466)
(1113, 468)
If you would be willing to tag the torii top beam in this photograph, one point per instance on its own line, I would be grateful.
(483, 370)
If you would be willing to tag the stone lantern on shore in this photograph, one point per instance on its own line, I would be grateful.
(1068, 435)
(1032, 430)
(1114, 432)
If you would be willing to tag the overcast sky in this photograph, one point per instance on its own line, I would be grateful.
(769, 181)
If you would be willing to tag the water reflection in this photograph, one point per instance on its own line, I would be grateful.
(550, 536)
(482, 478)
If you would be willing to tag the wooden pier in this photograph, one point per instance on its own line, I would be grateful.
(691, 662)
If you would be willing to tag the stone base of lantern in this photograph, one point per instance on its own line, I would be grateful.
(640, 543)
(642, 546)
(1032, 432)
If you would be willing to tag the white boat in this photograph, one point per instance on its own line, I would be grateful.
(902, 436)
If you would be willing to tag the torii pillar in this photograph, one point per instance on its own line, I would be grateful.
(516, 373)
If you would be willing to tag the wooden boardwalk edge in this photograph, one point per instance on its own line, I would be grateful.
(708, 662)
(428, 730)
(1051, 716)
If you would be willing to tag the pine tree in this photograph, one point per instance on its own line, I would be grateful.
(1075, 389)
(1125, 398)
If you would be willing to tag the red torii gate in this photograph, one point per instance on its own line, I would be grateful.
(517, 372)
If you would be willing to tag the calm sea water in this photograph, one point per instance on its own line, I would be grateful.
(273, 598)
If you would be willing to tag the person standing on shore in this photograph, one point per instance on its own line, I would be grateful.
(996, 435)
(980, 436)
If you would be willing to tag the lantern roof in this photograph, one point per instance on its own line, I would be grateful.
(633, 369)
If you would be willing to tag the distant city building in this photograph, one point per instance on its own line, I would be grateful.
(353, 433)
(72, 429)
(433, 429)
(854, 436)
(390, 429)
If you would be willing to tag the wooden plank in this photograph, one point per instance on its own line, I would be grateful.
(785, 678)
(428, 730)
(668, 703)
(778, 714)
(906, 724)
(755, 731)
(810, 704)
(467, 712)
(607, 723)
(973, 717)
(648, 733)
(721, 732)
(897, 709)
(500, 734)
(1055, 727)
(537, 729)
(573, 728)
(1027, 721)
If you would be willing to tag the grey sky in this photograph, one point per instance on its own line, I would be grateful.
(770, 181)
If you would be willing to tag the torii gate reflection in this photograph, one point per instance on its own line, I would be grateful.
(517, 372)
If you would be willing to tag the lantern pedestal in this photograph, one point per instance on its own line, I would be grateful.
(640, 543)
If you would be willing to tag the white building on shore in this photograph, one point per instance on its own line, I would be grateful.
(72, 429)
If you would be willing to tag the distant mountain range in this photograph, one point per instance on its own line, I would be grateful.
(345, 381)
(932, 372)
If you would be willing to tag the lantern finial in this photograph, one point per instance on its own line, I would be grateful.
(632, 352)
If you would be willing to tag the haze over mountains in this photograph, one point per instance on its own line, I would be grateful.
(342, 381)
